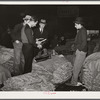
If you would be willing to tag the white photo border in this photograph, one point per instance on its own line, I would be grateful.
(49, 95)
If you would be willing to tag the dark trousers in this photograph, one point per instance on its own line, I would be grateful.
(36, 51)
(28, 52)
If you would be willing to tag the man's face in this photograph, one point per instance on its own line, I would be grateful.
(77, 26)
(33, 23)
(42, 25)
(26, 21)
(62, 38)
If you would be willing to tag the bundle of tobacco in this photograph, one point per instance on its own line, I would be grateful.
(91, 72)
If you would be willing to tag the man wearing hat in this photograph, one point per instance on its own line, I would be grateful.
(41, 34)
(17, 44)
(28, 43)
(80, 49)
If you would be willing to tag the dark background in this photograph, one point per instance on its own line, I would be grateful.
(59, 17)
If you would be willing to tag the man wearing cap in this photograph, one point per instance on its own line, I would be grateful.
(28, 43)
(17, 43)
(41, 34)
(81, 49)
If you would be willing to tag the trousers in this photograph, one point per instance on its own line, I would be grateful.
(79, 59)
(28, 52)
(18, 58)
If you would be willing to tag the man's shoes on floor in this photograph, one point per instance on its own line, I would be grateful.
(70, 87)
(79, 84)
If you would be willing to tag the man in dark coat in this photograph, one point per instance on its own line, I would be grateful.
(41, 34)
(28, 43)
(81, 49)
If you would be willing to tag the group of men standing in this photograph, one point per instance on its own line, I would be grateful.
(27, 42)
(25, 45)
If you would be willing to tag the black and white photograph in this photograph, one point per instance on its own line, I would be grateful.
(51, 48)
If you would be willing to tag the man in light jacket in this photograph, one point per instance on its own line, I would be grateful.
(17, 44)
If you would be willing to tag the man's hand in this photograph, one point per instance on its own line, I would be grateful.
(39, 46)
(39, 41)
(96, 48)
(17, 41)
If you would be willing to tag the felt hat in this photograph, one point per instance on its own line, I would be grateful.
(27, 17)
(43, 21)
(79, 20)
